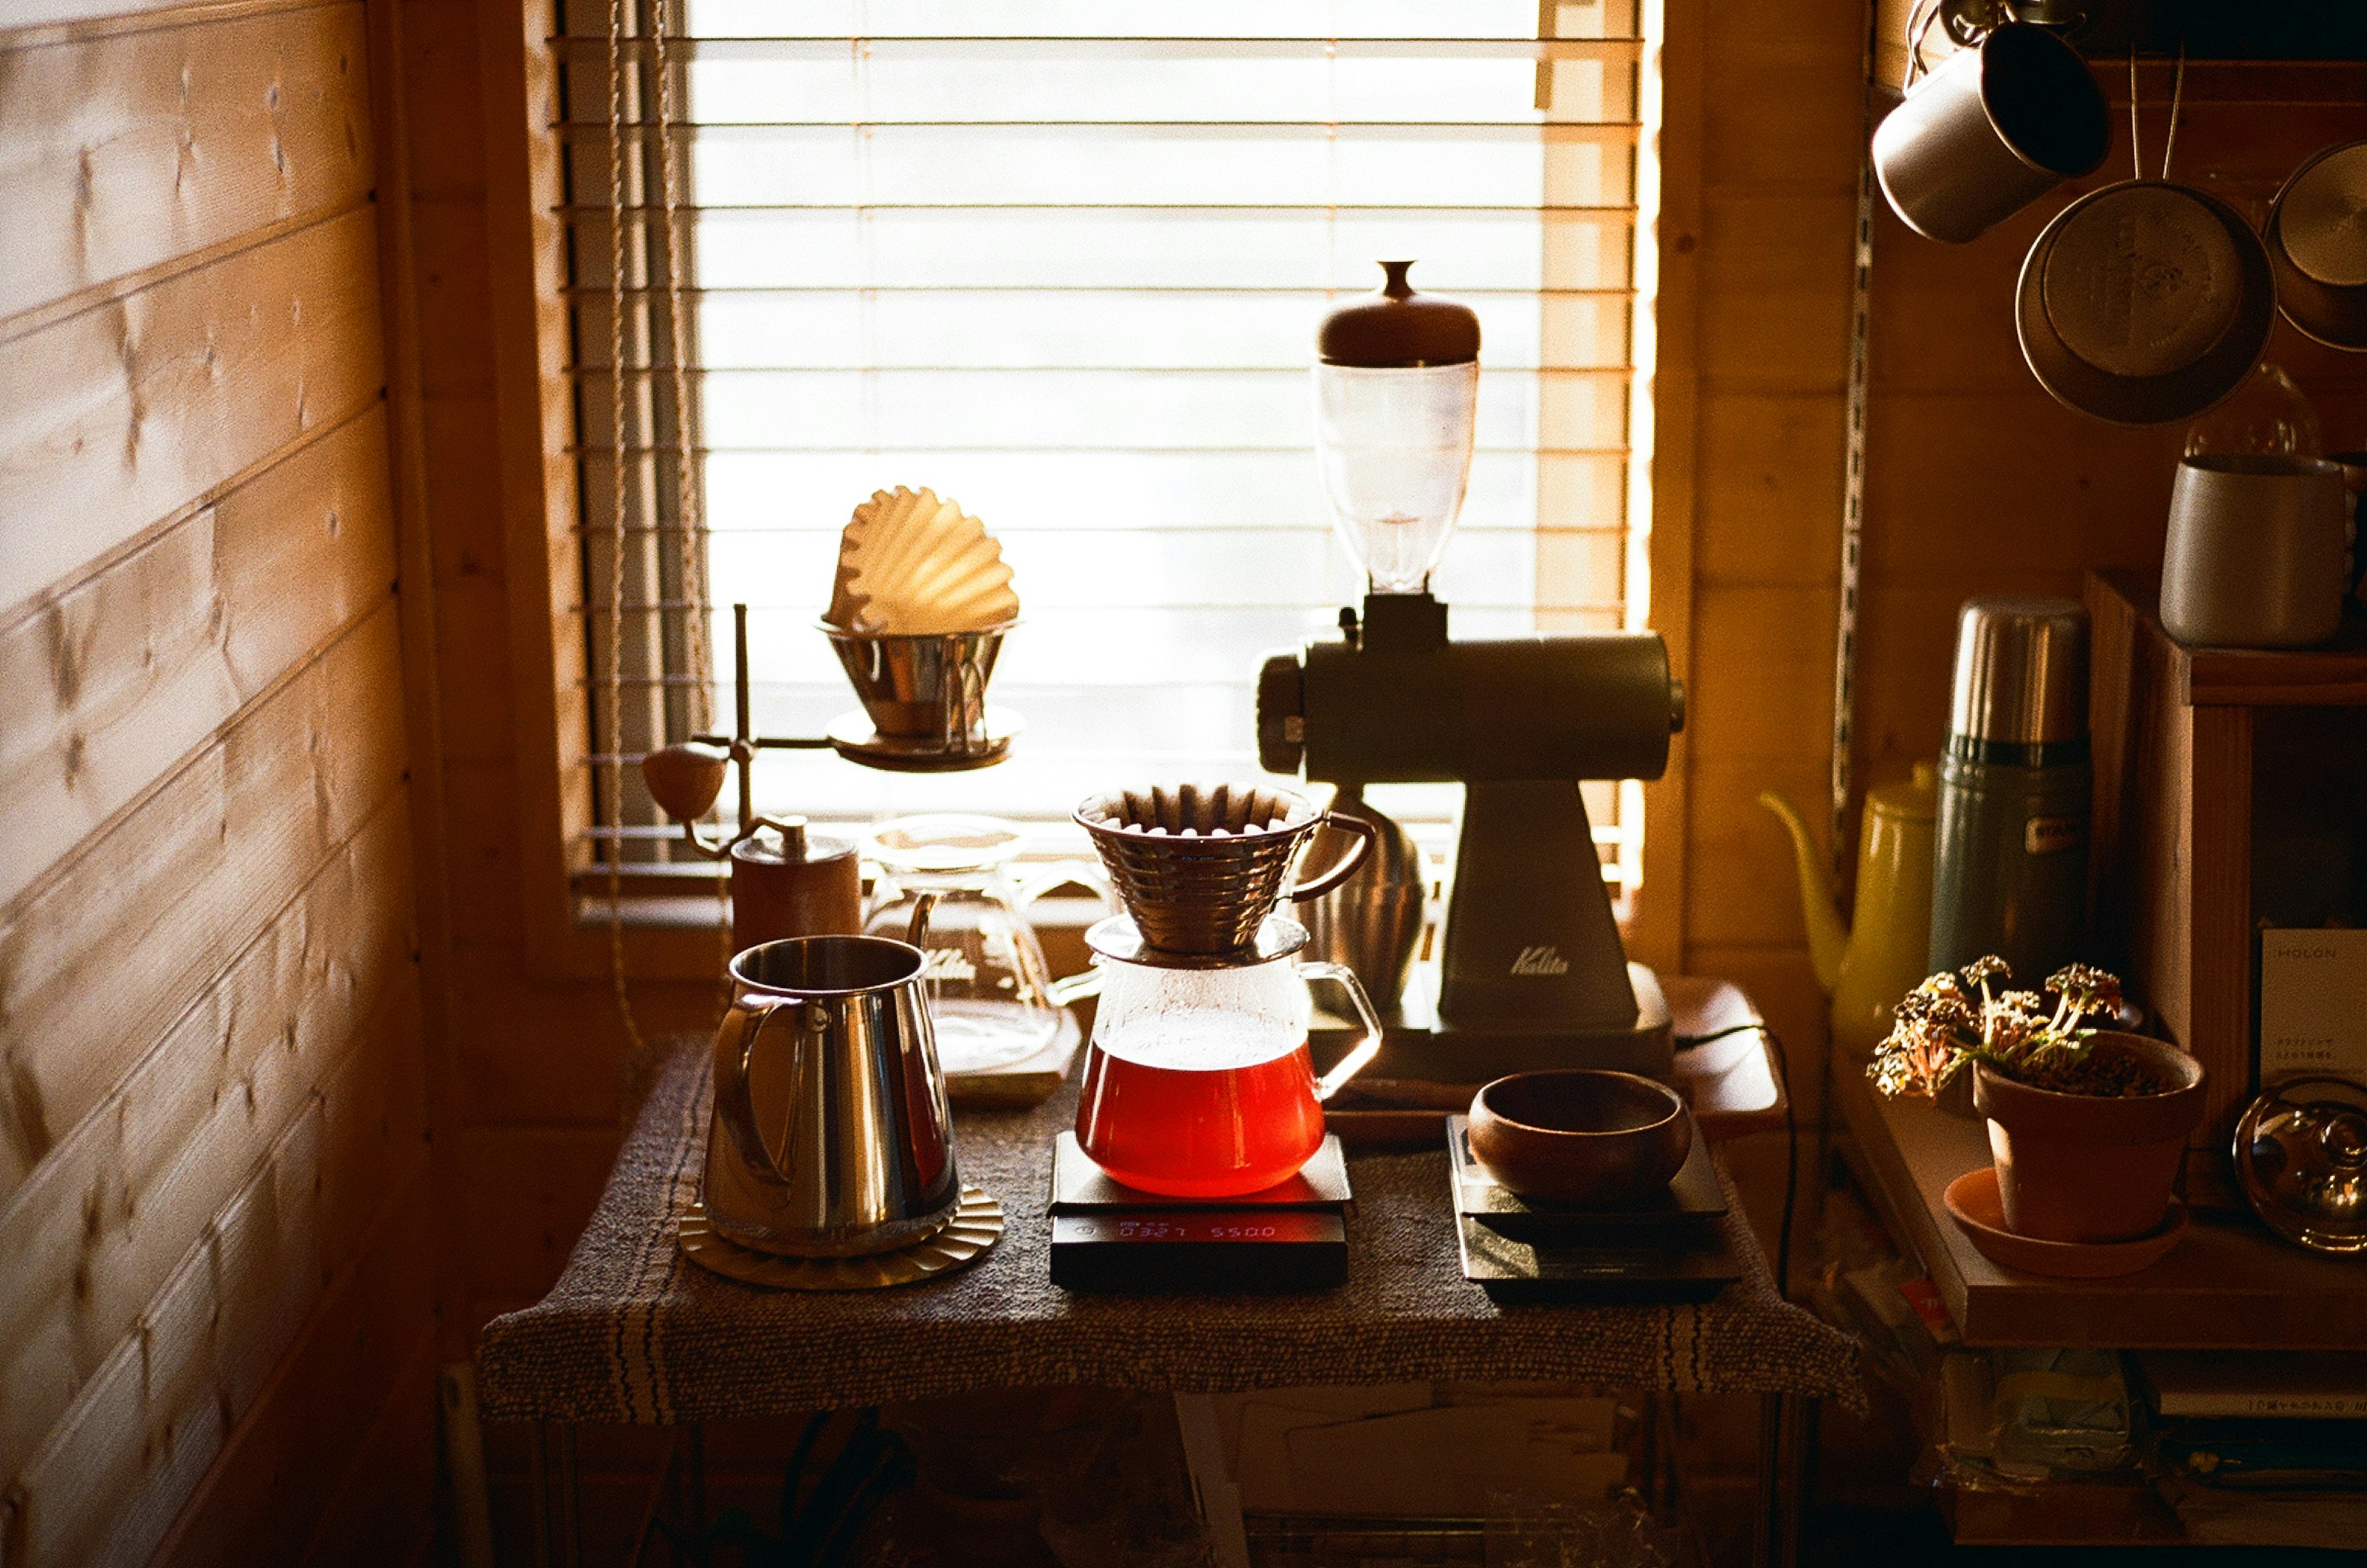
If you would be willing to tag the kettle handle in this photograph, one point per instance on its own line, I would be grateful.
(734, 1043)
(1349, 1065)
(1367, 835)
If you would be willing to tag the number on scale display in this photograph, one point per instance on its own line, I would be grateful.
(1179, 1230)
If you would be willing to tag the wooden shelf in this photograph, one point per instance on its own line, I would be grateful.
(2195, 761)
(2333, 674)
(2230, 1285)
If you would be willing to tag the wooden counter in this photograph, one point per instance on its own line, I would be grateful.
(2228, 1285)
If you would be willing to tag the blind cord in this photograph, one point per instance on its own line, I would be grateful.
(689, 522)
(613, 718)
(1791, 1137)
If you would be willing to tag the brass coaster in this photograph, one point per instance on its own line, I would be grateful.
(975, 1226)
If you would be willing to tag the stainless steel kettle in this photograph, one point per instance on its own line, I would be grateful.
(831, 1135)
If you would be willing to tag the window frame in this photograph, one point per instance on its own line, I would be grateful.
(669, 937)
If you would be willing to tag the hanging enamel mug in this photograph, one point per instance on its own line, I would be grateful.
(1989, 132)
(831, 1136)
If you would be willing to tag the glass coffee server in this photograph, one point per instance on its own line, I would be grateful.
(989, 987)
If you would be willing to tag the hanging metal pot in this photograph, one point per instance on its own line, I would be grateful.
(2146, 302)
(2318, 246)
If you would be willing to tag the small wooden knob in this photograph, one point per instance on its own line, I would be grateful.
(685, 779)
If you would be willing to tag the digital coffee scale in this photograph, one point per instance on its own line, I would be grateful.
(1106, 1236)
(1671, 1248)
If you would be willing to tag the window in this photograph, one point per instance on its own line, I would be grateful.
(1071, 279)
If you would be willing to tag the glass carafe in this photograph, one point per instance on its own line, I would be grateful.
(1198, 1083)
(990, 994)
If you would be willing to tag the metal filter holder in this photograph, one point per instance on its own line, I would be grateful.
(925, 691)
(1201, 866)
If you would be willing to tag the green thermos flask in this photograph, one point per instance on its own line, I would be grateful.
(2009, 874)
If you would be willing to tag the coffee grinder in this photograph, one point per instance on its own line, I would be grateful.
(1530, 973)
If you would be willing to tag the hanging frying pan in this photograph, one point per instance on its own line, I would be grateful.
(2318, 246)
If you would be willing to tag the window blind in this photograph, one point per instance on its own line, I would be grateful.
(1070, 275)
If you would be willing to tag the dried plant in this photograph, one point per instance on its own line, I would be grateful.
(1953, 1019)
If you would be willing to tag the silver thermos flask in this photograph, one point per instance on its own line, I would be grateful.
(2011, 875)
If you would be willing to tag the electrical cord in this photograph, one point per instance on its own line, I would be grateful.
(1791, 1137)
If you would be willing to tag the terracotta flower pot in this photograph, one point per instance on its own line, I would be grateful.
(2084, 1167)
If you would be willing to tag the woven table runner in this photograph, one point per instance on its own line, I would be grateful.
(635, 1332)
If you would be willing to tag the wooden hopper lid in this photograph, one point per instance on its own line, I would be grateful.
(1394, 328)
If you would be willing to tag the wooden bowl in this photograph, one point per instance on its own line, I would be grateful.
(1581, 1138)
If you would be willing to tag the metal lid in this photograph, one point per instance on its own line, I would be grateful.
(2318, 246)
(2109, 332)
(784, 840)
(943, 843)
(1396, 329)
(1119, 939)
(2021, 671)
(2300, 1154)
(1913, 799)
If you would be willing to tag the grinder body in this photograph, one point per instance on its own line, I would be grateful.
(1531, 973)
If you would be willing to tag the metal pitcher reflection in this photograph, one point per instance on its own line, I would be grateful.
(831, 1135)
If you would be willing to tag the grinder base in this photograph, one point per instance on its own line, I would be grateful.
(1418, 1046)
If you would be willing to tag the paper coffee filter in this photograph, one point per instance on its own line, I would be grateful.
(972, 609)
(899, 537)
(1197, 810)
(911, 563)
(874, 532)
(873, 543)
(965, 566)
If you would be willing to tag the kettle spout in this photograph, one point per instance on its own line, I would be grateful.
(1828, 938)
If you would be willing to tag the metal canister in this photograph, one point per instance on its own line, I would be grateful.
(793, 882)
(2010, 870)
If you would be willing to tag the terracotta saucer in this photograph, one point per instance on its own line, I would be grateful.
(1973, 1200)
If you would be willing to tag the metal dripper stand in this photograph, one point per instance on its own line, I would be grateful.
(1531, 973)
(924, 711)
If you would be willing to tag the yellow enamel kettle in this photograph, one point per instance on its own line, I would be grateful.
(1865, 967)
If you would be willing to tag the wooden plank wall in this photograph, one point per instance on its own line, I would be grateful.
(213, 1164)
(1978, 482)
(1779, 126)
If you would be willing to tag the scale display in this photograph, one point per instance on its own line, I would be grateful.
(1192, 1251)
(1110, 1238)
